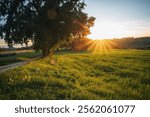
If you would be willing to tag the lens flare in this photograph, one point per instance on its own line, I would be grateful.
(94, 46)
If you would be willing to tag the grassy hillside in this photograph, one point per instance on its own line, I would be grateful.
(113, 74)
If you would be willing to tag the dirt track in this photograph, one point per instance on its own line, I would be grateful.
(14, 65)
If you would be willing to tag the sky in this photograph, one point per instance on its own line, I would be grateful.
(119, 18)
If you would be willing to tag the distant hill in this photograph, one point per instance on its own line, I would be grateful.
(132, 43)
(123, 43)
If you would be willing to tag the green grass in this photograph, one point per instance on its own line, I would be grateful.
(18, 57)
(114, 74)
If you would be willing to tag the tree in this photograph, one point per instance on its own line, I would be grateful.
(48, 23)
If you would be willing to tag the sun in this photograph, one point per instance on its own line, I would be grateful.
(93, 46)
(98, 46)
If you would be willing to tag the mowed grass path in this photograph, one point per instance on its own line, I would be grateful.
(18, 57)
(112, 74)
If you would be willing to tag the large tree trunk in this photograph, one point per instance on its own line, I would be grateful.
(44, 53)
(47, 52)
(48, 49)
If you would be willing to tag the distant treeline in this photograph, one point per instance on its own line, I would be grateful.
(13, 49)
(123, 43)
(89, 44)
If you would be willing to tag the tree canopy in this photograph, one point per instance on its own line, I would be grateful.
(48, 23)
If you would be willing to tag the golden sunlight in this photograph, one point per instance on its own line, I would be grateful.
(95, 46)
(101, 45)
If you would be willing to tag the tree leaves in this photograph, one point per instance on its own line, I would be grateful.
(46, 22)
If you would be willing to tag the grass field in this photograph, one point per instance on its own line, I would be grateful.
(18, 57)
(112, 74)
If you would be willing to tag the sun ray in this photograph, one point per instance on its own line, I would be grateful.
(95, 46)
